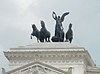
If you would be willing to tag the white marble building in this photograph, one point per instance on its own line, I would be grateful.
(50, 58)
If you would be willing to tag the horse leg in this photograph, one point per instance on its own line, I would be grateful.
(38, 40)
(48, 39)
(31, 36)
(41, 40)
(66, 38)
(48, 36)
(70, 40)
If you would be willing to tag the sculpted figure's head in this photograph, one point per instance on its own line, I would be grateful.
(58, 17)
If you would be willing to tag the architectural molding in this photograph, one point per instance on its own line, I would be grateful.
(57, 56)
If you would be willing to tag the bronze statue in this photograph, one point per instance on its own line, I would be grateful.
(59, 33)
(41, 35)
(69, 34)
(35, 32)
(44, 33)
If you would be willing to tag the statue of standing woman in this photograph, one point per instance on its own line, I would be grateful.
(59, 33)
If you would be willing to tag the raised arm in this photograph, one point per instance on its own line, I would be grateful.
(54, 15)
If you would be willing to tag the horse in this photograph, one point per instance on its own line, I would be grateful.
(69, 34)
(41, 35)
(44, 33)
(35, 32)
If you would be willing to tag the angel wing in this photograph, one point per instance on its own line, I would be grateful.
(63, 16)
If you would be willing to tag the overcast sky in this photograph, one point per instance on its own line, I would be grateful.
(16, 17)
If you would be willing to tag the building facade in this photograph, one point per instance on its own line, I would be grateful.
(50, 58)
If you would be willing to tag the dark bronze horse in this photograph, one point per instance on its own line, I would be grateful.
(35, 32)
(69, 34)
(42, 35)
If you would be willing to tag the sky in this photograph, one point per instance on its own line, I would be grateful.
(17, 16)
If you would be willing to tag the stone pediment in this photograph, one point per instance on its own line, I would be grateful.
(37, 68)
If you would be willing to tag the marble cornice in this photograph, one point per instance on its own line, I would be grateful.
(31, 53)
(49, 52)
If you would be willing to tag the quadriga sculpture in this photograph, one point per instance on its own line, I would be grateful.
(42, 35)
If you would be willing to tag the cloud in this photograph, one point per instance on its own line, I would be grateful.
(23, 5)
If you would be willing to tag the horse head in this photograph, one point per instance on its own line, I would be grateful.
(34, 27)
(70, 26)
(42, 24)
